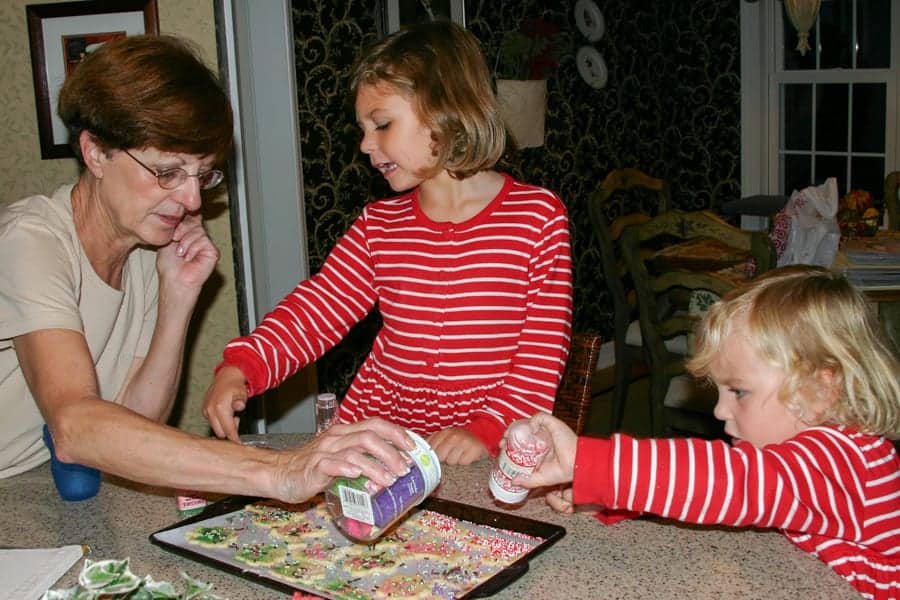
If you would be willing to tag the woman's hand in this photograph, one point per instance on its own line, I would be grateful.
(189, 259)
(559, 464)
(370, 447)
(457, 446)
(226, 396)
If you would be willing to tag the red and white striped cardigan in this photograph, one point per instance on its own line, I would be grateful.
(833, 492)
(476, 315)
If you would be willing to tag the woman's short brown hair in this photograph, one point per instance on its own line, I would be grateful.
(440, 66)
(147, 91)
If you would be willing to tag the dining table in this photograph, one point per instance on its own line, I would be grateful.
(645, 557)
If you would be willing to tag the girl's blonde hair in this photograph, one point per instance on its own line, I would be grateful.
(440, 66)
(805, 320)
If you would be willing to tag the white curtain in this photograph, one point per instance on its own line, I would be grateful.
(802, 14)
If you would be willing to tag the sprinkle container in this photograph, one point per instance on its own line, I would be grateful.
(364, 510)
(524, 450)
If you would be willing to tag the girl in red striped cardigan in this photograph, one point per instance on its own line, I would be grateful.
(808, 392)
(469, 269)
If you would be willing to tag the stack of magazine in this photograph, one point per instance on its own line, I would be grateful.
(871, 262)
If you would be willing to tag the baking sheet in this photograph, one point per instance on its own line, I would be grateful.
(529, 535)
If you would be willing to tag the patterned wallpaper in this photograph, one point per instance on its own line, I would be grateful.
(22, 172)
(671, 107)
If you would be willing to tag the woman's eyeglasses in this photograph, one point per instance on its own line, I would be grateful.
(170, 179)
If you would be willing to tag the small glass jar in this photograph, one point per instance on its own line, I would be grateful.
(524, 450)
(364, 510)
(326, 411)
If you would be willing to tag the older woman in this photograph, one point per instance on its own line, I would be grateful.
(98, 283)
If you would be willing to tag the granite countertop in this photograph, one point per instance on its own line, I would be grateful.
(644, 558)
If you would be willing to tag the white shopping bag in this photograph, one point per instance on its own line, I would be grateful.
(814, 234)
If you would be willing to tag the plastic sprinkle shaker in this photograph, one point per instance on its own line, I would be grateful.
(524, 449)
(364, 510)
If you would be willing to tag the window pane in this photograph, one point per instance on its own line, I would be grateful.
(831, 117)
(869, 110)
(873, 34)
(796, 129)
(867, 174)
(832, 166)
(796, 172)
(793, 60)
(835, 24)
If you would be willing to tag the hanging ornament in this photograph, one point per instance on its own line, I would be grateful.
(589, 20)
(591, 67)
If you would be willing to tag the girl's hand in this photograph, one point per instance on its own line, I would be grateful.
(561, 500)
(457, 446)
(226, 396)
(559, 464)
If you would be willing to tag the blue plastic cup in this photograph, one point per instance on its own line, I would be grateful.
(73, 481)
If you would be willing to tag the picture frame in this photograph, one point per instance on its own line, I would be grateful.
(396, 13)
(59, 35)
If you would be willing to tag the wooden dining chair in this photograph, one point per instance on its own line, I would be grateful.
(573, 398)
(891, 202)
(641, 196)
(670, 286)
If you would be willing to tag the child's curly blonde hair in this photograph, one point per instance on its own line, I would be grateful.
(806, 320)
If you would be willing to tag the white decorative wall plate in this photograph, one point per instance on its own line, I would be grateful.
(589, 20)
(591, 67)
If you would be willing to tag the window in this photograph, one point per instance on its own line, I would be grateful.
(829, 113)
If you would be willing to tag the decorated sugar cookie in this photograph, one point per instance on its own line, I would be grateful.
(497, 550)
(429, 520)
(365, 561)
(298, 532)
(435, 549)
(404, 586)
(269, 514)
(300, 571)
(343, 589)
(212, 537)
(261, 554)
(321, 551)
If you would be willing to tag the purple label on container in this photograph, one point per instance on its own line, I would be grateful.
(399, 497)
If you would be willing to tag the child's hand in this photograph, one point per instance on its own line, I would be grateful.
(457, 446)
(226, 395)
(561, 501)
(559, 464)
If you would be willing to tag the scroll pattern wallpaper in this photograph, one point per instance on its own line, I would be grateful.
(671, 108)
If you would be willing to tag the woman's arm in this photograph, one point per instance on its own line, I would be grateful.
(91, 431)
(183, 267)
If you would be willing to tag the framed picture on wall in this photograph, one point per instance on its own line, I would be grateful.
(60, 35)
(396, 13)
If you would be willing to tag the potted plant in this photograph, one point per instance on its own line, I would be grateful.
(527, 55)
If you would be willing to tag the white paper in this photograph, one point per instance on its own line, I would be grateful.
(28, 573)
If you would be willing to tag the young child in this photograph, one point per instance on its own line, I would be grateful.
(808, 390)
(470, 269)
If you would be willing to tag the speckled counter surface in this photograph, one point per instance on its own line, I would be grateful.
(644, 558)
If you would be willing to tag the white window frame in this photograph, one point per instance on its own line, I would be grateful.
(761, 26)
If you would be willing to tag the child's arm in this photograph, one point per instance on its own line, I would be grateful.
(811, 483)
(536, 370)
(311, 319)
